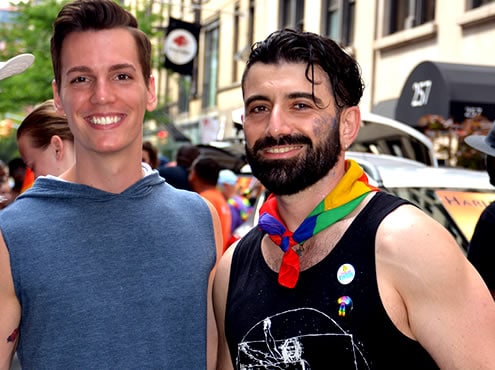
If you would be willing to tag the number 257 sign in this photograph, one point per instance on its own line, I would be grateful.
(421, 93)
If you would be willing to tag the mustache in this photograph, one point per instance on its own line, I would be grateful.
(270, 141)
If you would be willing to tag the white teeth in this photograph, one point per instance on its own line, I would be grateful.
(284, 149)
(104, 120)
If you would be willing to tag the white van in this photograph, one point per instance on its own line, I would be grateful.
(455, 197)
(382, 135)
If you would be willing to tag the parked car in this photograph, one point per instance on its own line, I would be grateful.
(382, 135)
(454, 197)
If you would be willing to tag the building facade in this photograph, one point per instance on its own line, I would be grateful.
(389, 39)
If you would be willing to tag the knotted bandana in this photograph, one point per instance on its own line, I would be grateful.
(341, 201)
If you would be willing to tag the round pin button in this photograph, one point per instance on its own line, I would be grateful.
(346, 274)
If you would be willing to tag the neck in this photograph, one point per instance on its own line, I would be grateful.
(345, 193)
(107, 174)
(199, 187)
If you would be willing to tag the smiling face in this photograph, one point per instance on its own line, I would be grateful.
(102, 90)
(292, 141)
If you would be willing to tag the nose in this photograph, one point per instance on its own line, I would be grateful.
(278, 122)
(102, 92)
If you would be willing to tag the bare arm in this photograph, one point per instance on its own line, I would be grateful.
(432, 293)
(220, 289)
(10, 312)
(212, 337)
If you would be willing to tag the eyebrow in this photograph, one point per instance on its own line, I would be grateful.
(306, 96)
(113, 68)
(294, 95)
(255, 97)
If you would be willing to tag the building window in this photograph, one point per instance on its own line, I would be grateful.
(292, 14)
(243, 52)
(477, 3)
(235, 41)
(251, 22)
(210, 72)
(339, 20)
(405, 14)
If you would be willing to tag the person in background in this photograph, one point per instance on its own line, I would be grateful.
(337, 273)
(45, 141)
(240, 207)
(4, 171)
(163, 161)
(481, 250)
(17, 172)
(85, 283)
(150, 155)
(203, 178)
(178, 175)
(6, 195)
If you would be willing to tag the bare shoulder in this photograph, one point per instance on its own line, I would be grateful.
(9, 309)
(6, 280)
(217, 228)
(220, 291)
(223, 270)
(426, 285)
(414, 252)
(221, 282)
(409, 226)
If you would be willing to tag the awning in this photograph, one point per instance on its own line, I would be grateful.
(231, 156)
(177, 134)
(457, 91)
(385, 108)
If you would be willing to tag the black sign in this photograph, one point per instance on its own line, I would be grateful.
(181, 46)
(455, 91)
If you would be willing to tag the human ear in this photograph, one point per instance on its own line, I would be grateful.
(58, 145)
(56, 99)
(151, 100)
(350, 123)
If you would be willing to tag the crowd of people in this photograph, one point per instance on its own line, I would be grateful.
(336, 274)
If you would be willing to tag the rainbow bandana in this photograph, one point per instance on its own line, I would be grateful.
(341, 201)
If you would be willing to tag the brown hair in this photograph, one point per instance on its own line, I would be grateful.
(43, 123)
(87, 15)
(152, 152)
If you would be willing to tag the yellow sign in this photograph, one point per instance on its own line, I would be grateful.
(465, 207)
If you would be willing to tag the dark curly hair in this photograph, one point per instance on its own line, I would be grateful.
(292, 46)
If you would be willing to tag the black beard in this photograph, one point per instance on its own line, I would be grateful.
(290, 176)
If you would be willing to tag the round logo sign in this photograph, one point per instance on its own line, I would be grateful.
(180, 46)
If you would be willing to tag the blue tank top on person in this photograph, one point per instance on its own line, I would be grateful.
(110, 281)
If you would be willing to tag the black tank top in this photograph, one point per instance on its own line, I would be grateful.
(332, 319)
